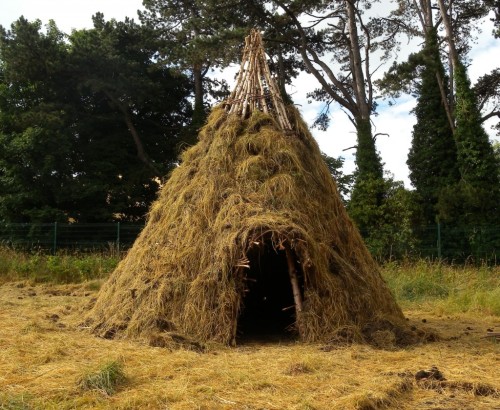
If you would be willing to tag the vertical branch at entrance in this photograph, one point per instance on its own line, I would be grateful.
(292, 271)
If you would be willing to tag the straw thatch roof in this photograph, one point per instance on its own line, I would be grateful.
(248, 203)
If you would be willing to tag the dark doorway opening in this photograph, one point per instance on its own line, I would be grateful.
(268, 312)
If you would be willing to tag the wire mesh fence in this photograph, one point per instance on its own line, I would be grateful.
(57, 236)
(481, 243)
(440, 241)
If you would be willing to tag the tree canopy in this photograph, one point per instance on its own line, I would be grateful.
(92, 122)
(89, 124)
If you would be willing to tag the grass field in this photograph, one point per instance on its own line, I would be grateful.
(48, 362)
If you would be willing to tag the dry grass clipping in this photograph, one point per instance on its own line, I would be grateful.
(244, 181)
(40, 366)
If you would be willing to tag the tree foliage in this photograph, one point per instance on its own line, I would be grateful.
(196, 37)
(387, 224)
(494, 5)
(91, 122)
(487, 90)
(475, 199)
(432, 159)
(35, 153)
(344, 181)
(88, 124)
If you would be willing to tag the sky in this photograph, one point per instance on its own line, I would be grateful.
(395, 120)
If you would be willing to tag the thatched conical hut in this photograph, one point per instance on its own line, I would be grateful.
(249, 233)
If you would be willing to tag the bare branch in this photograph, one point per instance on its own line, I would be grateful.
(141, 152)
(380, 133)
(320, 19)
(344, 100)
(353, 147)
(420, 16)
(367, 57)
(490, 115)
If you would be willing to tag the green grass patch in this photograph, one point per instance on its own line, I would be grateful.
(107, 379)
(15, 402)
(450, 288)
(60, 268)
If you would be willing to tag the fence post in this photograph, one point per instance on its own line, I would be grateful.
(54, 244)
(439, 239)
(118, 237)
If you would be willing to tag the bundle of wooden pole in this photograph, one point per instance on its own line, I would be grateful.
(255, 88)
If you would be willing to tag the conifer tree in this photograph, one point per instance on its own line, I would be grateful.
(432, 159)
(474, 200)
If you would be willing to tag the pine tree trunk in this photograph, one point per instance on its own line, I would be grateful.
(427, 25)
(141, 152)
(356, 64)
(449, 34)
(199, 110)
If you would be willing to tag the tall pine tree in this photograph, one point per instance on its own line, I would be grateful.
(474, 200)
(432, 159)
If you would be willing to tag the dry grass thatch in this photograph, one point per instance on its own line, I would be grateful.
(251, 205)
(245, 185)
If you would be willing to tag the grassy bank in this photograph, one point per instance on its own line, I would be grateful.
(440, 287)
(58, 269)
(445, 288)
